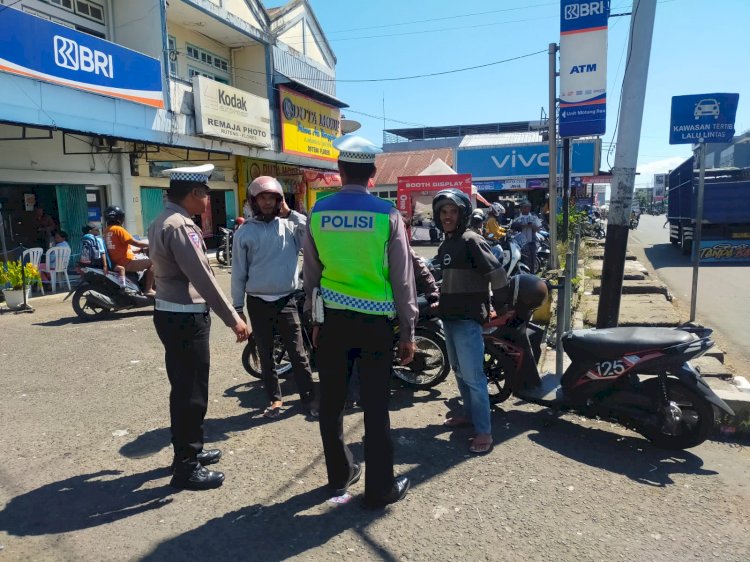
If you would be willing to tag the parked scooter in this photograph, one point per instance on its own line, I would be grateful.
(221, 249)
(639, 377)
(99, 294)
(429, 367)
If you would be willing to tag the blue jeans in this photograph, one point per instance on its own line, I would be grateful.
(465, 345)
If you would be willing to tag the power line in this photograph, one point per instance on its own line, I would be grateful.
(443, 18)
(453, 28)
(412, 77)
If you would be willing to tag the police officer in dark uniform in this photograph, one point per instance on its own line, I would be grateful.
(358, 275)
(186, 290)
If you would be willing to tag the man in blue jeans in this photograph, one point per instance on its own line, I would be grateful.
(469, 271)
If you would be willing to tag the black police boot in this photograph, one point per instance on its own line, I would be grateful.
(400, 487)
(205, 457)
(353, 479)
(189, 474)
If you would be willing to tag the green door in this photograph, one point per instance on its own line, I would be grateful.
(152, 203)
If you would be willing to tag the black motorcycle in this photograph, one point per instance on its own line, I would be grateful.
(98, 294)
(221, 248)
(429, 367)
(639, 377)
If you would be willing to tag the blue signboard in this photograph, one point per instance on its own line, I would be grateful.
(522, 160)
(709, 117)
(583, 67)
(37, 48)
(723, 251)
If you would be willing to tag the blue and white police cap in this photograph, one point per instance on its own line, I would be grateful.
(198, 174)
(353, 148)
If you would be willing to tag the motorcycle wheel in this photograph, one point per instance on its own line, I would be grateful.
(83, 309)
(251, 361)
(221, 257)
(697, 416)
(430, 366)
(498, 386)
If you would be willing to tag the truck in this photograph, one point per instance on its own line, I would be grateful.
(725, 234)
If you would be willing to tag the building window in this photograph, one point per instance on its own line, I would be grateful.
(208, 58)
(90, 10)
(195, 72)
(172, 42)
(65, 4)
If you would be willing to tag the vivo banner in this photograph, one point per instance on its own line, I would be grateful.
(523, 161)
(583, 67)
(37, 48)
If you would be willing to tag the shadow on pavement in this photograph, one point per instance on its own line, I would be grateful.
(81, 502)
(631, 456)
(115, 316)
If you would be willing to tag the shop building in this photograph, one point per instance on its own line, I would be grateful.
(507, 161)
(99, 96)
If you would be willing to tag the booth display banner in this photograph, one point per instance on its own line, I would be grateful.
(39, 49)
(230, 113)
(308, 127)
(583, 67)
(424, 185)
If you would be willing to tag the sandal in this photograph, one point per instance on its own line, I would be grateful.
(482, 448)
(456, 421)
(273, 411)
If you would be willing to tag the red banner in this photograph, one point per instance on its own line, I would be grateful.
(408, 186)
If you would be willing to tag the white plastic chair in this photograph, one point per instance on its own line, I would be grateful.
(61, 259)
(34, 256)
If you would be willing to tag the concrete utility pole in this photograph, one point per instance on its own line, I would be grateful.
(552, 133)
(626, 158)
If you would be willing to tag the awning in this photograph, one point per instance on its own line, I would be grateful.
(309, 91)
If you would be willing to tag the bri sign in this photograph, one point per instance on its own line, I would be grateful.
(42, 50)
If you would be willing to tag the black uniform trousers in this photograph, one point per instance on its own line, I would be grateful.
(186, 353)
(344, 337)
(279, 317)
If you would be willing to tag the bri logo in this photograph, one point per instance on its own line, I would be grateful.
(347, 222)
(584, 9)
(69, 54)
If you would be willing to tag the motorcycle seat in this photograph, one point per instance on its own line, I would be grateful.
(612, 342)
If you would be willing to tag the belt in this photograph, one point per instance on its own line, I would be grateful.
(192, 308)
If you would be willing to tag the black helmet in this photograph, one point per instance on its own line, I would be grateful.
(456, 197)
(477, 218)
(113, 213)
(528, 293)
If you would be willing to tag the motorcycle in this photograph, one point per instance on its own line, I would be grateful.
(634, 223)
(429, 367)
(508, 252)
(637, 376)
(221, 249)
(98, 294)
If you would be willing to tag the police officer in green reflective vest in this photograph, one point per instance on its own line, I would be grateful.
(358, 277)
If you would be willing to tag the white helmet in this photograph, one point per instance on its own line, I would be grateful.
(497, 209)
(265, 184)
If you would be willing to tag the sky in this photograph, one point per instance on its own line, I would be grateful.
(699, 46)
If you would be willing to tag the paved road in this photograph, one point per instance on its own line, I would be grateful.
(85, 444)
(723, 290)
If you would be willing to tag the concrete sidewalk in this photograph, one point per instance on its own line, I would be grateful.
(647, 301)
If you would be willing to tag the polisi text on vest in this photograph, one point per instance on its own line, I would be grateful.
(232, 101)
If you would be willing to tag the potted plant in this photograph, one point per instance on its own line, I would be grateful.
(10, 274)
